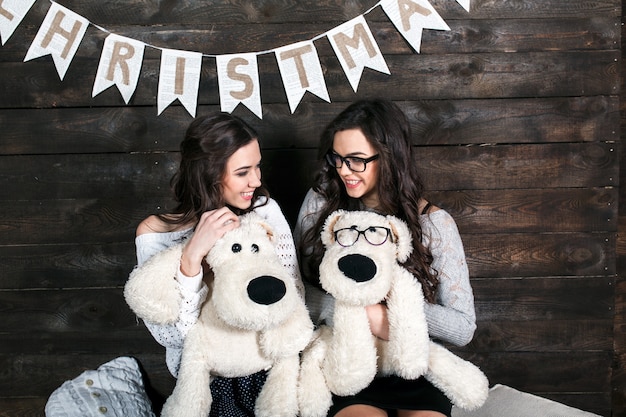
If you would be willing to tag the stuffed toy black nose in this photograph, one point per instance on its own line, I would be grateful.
(357, 267)
(266, 290)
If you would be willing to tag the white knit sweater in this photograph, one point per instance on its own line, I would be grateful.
(194, 291)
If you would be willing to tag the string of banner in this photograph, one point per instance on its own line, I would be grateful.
(62, 31)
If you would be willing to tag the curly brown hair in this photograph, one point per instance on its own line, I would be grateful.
(399, 188)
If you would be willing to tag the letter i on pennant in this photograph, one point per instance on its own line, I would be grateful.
(179, 78)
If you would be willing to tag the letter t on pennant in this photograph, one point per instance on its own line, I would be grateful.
(301, 71)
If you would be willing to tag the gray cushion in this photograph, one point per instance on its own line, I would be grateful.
(114, 389)
(505, 401)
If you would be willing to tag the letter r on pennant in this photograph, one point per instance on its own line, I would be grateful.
(119, 58)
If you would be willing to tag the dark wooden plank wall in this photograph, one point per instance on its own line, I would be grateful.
(516, 112)
(619, 370)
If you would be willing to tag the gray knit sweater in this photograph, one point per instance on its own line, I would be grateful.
(452, 318)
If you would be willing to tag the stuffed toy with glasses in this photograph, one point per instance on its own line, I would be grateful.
(361, 266)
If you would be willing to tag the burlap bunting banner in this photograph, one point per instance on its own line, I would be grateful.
(62, 31)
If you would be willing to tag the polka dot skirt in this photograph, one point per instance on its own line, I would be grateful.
(235, 397)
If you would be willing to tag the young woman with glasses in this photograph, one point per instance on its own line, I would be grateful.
(368, 164)
(219, 178)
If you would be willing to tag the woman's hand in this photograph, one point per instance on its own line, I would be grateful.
(211, 227)
(379, 323)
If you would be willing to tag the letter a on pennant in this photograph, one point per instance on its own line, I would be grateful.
(12, 12)
(120, 65)
(356, 49)
(411, 17)
(59, 36)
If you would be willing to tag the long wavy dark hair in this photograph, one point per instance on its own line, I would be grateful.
(209, 141)
(399, 187)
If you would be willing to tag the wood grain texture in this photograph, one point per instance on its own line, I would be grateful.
(434, 122)
(517, 118)
(480, 75)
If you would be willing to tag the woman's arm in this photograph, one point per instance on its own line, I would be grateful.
(453, 318)
(192, 289)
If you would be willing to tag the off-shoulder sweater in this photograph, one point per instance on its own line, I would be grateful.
(193, 290)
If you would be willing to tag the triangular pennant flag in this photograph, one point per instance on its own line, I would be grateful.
(465, 4)
(12, 12)
(356, 49)
(120, 64)
(410, 17)
(60, 35)
(238, 78)
(301, 71)
(179, 78)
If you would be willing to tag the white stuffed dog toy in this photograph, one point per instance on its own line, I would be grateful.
(361, 267)
(254, 319)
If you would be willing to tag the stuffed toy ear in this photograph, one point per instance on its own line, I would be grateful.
(328, 237)
(268, 230)
(253, 217)
(402, 238)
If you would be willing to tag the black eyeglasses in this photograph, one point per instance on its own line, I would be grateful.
(354, 163)
(375, 235)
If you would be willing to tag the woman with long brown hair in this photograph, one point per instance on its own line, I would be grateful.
(219, 178)
(367, 163)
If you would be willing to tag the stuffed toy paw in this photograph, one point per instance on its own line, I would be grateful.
(361, 266)
(253, 320)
